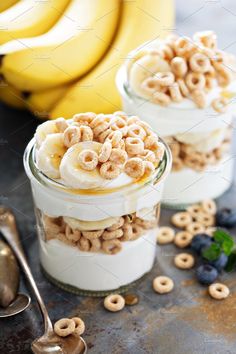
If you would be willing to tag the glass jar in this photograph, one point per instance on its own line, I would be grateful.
(96, 241)
(203, 167)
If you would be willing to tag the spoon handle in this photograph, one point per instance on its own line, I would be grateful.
(9, 230)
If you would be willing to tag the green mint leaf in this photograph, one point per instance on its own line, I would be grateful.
(212, 252)
(224, 240)
(231, 264)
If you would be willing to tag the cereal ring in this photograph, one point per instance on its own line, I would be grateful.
(120, 124)
(199, 98)
(161, 98)
(184, 261)
(72, 235)
(71, 136)
(206, 38)
(164, 78)
(209, 83)
(133, 120)
(83, 244)
(184, 47)
(117, 225)
(210, 230)
(151, 143)
(111, 246)
(199, 63)
(84, 118)
(205, 219)
(220, 104)
(183, 87)
(146, 224)
(86, 133)
(110, 235)
(166, 52)
(121, 114)
(127, 232)
(136, 131)
(177, 164)
(163, 284)
(181, 219)
(88, 159)
(179, 66)
(114, 302)
(194, 210)
(134, 167)
(109, 170)
(136, 231)
(175, 93)
(118, 156)
(150, 85)
(131, 299)
(79, 326)
(91, 235)
(148, 155)
(195, 228)
(183, 239)
(149, 168)
(105, 152)
(99, 119)
(134, 146)
(100, 128)
(102, 137)
(114, 137)
(61, 124)
(165, 235)
(96, 245)
(224, 76)
(64, 327)
(195, 81)
(218, 291)
(209, 206)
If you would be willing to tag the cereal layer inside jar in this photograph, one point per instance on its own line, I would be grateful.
(104, 236)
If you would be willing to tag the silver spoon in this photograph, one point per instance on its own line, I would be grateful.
(49, 342)
(19, 304)
(11, 302)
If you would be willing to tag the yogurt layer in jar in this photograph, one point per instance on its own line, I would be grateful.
(185, 89)
(97, 183)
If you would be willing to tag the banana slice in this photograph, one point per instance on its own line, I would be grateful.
(75, 176)
(81, 225)
(203, 142)
(48, 127)
(143, 68)
(49, 155)
(191, 138)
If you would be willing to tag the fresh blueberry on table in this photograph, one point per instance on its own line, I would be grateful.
(200, 241)
(220, 262)
(226, 217)
(206, 274)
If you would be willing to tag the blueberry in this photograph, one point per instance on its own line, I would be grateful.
(220, 262)
(226, 217)
(199, 241)
(206, 274)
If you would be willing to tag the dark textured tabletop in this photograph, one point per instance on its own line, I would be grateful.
(185, 321)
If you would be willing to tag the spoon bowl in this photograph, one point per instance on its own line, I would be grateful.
(19, 304)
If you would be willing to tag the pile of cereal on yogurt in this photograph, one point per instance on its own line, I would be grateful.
(91, 149)
(182, 67)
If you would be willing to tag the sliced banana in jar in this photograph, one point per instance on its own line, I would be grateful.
(50, 154)
(82, 225)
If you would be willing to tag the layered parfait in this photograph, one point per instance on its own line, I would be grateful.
(97, 182)
(185, 88)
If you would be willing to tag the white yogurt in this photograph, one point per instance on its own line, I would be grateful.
(183, 119)
(97, 271)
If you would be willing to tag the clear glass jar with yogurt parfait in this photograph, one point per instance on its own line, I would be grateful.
(185, 89)
(97, 226)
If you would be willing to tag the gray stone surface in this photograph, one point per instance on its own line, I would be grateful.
(185, 321)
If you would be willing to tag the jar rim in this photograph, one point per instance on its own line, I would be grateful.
(34, 173)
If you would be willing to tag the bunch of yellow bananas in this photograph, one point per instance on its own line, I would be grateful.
(59, 57)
